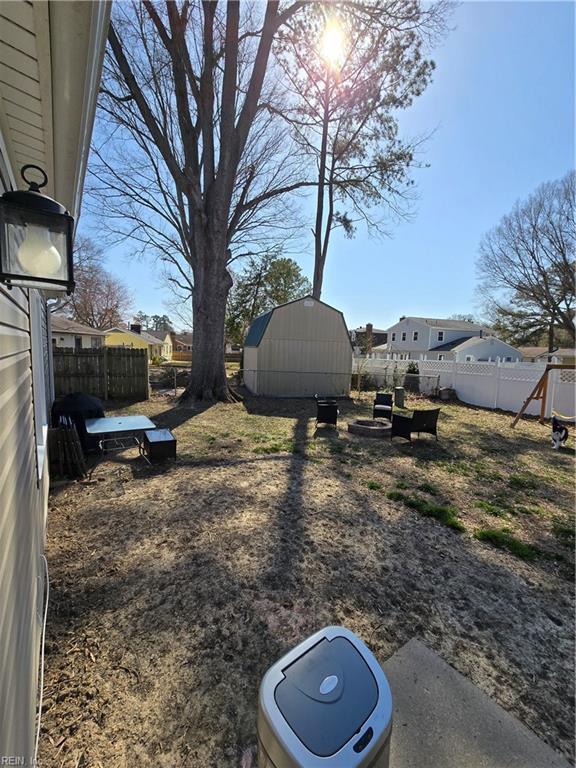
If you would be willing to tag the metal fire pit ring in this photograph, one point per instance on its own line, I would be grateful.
(370, 427)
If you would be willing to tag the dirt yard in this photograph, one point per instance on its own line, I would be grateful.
(173, 589)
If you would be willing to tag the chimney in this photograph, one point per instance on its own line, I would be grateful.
(172, 335)
(369, 338)
(135, 327)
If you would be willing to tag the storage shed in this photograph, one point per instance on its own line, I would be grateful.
(299, 349)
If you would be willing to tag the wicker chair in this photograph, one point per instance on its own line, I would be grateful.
(326, 411)
(382, 406)
(420, 421)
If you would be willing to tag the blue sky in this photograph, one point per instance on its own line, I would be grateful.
(501, 109)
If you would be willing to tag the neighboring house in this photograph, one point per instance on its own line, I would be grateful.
(413, 337)
(563, 355)
(134, 338)
(165, 339)
(366, 337)
(50, 63)
(182, 342)
(476, 349)
(69, 333)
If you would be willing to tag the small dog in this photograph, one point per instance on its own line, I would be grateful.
(559, 433)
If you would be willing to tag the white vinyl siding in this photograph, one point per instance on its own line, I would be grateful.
(23, 504)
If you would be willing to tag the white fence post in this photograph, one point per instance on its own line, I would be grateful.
(554, 373)
(454, 374)
(497, 371)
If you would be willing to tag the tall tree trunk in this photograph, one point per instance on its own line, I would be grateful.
(212, 283)
(318, 251)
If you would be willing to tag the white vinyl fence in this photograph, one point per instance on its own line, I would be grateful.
(490, 385)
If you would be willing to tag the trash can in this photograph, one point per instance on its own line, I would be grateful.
(399, 397)
(326, 704)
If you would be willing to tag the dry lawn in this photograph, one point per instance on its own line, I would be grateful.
(174, 588)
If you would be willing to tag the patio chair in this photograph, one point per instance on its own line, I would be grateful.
(382, 406)
(326, 411)
(420, 421)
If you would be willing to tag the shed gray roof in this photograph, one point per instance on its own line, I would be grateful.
(256, 330)
(260, 323)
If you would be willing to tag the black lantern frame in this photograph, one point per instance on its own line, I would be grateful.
(20, 209)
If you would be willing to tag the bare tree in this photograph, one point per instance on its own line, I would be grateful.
(100, 300)
(188, 163)
(351, 68)
(526, 263)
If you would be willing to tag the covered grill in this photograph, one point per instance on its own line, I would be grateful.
(79, 407)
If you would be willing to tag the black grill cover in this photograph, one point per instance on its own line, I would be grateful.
(79, 407)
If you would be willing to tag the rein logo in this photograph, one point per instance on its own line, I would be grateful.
(12, 760)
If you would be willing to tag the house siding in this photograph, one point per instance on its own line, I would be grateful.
(23, 505)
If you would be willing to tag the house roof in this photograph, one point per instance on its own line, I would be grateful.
(468, 341)
(184, 338)
(543, 352)
(62, 324)
(160, 335)
(260, 323)
(455, 325)
(142, 335)
(450, 345)
(362, 329)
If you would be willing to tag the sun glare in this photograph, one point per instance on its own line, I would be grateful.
(332, 45)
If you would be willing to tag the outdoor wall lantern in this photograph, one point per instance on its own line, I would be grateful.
(35, 239)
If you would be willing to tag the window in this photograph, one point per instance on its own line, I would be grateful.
(95, 342)
(468, 358)
(393, 337)
(507, 359)
(77, 343)
(440, 357)
(415, 336)
(440, 335)
(403, 335)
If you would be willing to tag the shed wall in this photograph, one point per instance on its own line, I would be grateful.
(305, 350)
(251, 369)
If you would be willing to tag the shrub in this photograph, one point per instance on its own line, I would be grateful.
(374, 486)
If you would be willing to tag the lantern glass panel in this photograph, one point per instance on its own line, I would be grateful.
(35, 246)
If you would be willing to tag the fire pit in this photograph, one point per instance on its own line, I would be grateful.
(369, 427)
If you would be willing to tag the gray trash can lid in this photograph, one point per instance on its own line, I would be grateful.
(327, 694)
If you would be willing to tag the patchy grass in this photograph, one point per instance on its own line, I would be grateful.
(209, 568)
(430, 488)
(522, 483)
(503, 539)
(445, 515)
(492, 509)
(563, 532)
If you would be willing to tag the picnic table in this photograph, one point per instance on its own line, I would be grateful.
(119, 432)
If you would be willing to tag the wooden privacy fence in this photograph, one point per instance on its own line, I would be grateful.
(186, 357)
(110, 373)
